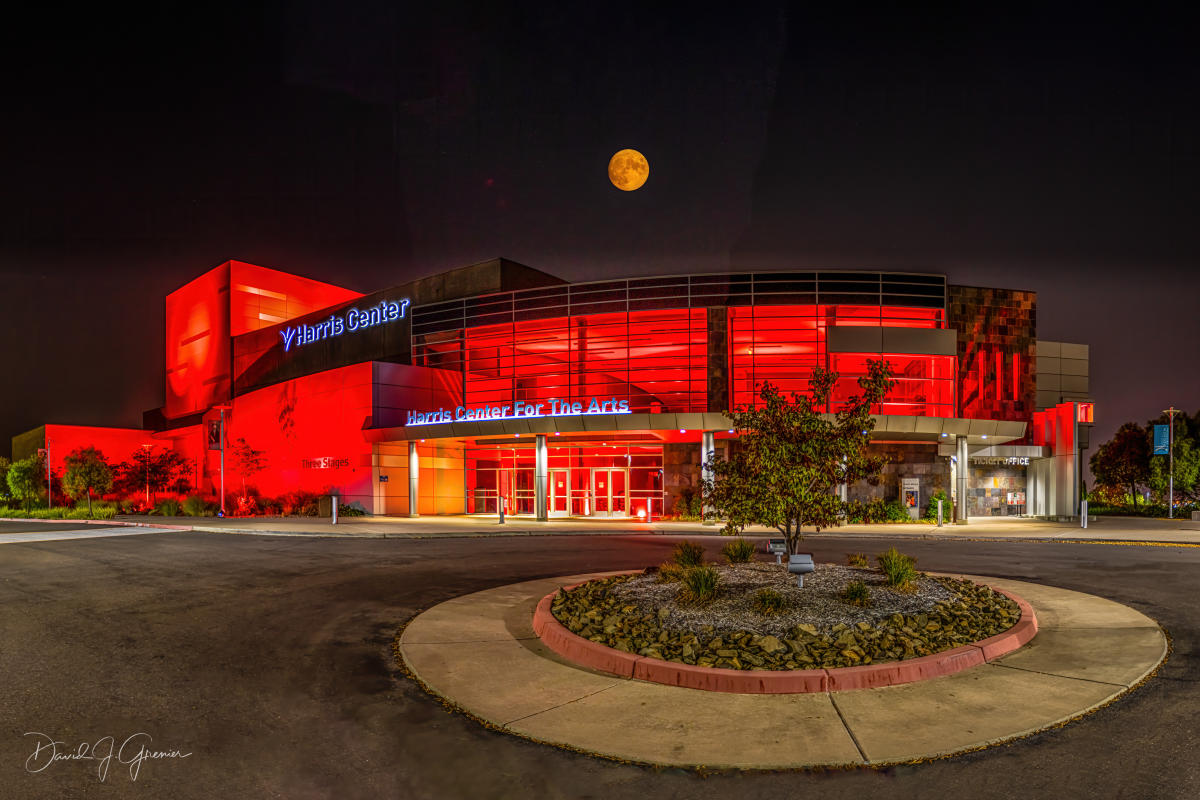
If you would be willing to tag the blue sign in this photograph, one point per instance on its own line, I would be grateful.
(1162, 441)
(353, 320)
(519, 410)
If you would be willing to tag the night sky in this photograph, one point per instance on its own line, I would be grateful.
(368, 143)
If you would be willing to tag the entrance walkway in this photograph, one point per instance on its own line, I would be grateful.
(480, 653)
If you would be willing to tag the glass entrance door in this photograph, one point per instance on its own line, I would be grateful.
(559, 493)
(610, 493)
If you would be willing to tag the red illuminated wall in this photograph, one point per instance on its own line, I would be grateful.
(197, 344)
(116, 444)
(311, 431)
(782, 345)
(262, 297)
(226, 301)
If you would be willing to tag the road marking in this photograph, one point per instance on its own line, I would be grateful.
(82, 533)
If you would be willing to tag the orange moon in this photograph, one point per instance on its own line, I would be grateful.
(628, 170)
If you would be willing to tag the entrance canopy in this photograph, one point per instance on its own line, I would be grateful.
(687, 426)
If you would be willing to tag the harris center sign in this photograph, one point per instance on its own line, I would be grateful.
(354, 319)
(520, 410)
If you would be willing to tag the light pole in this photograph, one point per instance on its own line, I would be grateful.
(222, 462)
(1171, 412)
(147, 448)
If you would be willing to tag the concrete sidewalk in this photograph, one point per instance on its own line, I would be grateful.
(479, 652)
(1113, 529)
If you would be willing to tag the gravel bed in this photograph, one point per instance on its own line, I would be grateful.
(818, 604)
(815, 629)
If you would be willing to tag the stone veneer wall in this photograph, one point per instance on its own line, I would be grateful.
(990, 323)
(906, 461)
(988, 488)
(681, 471)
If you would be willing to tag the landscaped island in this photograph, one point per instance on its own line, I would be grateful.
(755, 617)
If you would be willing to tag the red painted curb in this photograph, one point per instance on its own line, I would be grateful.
(871, 676)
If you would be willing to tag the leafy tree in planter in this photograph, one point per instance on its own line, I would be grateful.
(785, 467)
(1123, 462)
(27, 479)
(86, 472)
(247, 461)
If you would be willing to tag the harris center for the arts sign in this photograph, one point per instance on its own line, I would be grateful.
(520, 410)
(355, 319)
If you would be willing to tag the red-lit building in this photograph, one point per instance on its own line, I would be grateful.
(497, 384)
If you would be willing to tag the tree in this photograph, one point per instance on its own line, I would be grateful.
(1123, 462)
(789, 458)
(163, 468)
(247, 461)
(5, 494)
(27, 479)
(87, 471)
(1187, 458)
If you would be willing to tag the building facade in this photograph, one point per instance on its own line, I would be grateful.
(497, 386)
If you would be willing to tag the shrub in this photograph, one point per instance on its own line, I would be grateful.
(168, 508)
(670, 572)
(947, 506)
(350, 511)
(688, 554)
(739, 551)
(699, 584)
(197, 506)
(689, 505)
(104, 512)
(858, 560)
(899, 570)
(768, 601)
(247, 506)
(894, 511)
(857, 594)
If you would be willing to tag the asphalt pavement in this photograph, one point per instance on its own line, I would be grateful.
(268, 661)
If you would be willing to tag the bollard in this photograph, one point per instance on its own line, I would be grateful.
(1083, 513)
(939, 512)
(501, 505)
(335, 505)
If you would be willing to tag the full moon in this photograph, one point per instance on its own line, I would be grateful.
(628, 170)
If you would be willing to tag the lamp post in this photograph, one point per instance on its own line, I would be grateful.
(1171, 412)
(147, 448)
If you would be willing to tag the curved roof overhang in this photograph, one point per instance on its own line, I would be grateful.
(677, 426)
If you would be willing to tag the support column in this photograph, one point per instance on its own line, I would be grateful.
(414, 480)
(964, 466)
(708, 446)
(541, 473)
(843, 487)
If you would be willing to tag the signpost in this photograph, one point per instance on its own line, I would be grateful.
(1170, 426)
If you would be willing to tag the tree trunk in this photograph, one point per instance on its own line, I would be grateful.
(89, 501)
